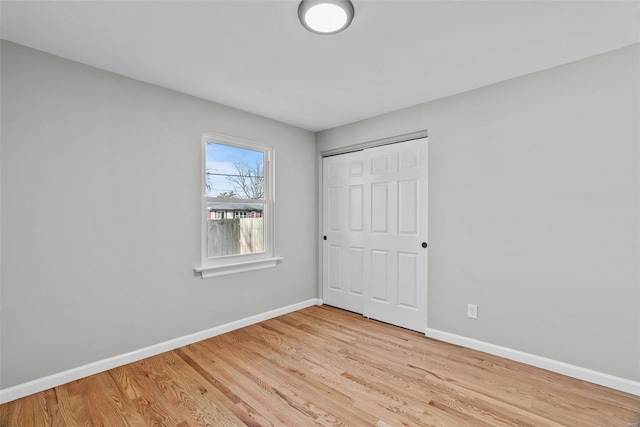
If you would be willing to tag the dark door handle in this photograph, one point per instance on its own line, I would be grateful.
(424, 245)
(324, 238)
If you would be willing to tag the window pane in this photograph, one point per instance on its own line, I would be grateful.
(233, 172)
(234, 228)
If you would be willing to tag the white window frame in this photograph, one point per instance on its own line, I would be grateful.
(232, 264)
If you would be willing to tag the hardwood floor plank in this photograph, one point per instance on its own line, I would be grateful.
(327, 367)
(297, 413)
(329, 403)
(12, 413)
(63, 404)
(52, 407)
(180, 396)
(246, 406)
(205, 396)
(149, 400)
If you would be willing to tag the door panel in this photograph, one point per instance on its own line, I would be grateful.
(335, 208)
(355, 207)
(379, 275)
(403, 206)
(356, 270)
(408, 280)
(343, 214)
(375, 216)
(335, 267)
(380, 207)
(408, 207)
(356, 168)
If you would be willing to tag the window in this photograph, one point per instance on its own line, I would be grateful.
(237, 229)
(213, 214)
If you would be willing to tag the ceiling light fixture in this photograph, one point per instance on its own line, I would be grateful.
(325, 16)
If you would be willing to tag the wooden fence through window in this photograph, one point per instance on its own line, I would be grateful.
(235, 236)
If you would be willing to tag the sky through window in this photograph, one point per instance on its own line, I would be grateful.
(226, 162)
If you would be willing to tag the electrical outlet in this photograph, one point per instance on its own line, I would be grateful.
(472, 311)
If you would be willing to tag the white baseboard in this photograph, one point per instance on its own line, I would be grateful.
(41, 384)
(616, 383)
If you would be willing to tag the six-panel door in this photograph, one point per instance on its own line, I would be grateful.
(343, 219)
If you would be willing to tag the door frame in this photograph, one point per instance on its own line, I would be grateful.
(344, 150)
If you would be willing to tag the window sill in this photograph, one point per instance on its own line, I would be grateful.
(241, 267)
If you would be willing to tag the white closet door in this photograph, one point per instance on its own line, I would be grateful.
(375, 224)
(396, 236)
(343, 219)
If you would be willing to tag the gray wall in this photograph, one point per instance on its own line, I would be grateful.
(101, 216)
(534, 210)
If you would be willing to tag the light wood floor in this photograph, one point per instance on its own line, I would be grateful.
(324, 366)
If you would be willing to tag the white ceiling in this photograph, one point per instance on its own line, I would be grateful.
(255, 55)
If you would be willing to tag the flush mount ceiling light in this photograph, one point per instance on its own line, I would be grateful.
(325, 16)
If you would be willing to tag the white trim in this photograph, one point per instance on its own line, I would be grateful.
(41, 384)
(240, 267)
(578, 372)
(376, 143)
